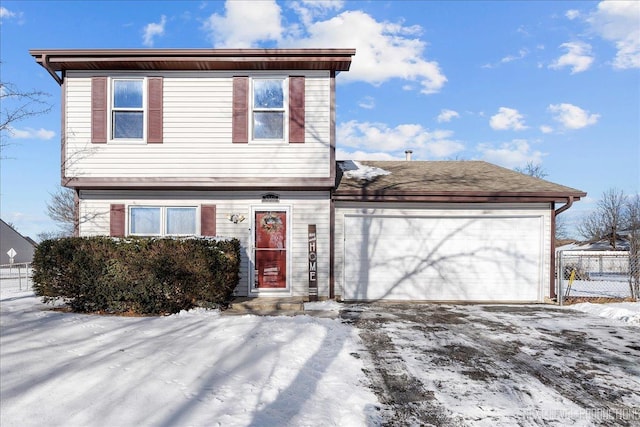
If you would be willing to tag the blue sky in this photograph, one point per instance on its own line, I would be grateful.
(510, 82)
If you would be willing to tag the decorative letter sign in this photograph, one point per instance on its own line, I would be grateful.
(313, 263)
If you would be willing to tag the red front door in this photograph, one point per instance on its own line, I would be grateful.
(270, 254)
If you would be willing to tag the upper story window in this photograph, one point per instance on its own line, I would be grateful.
(268, 109)
(127, 109)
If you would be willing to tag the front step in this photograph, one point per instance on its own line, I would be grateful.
(244, 305)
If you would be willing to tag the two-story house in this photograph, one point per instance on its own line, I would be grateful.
(241, 143)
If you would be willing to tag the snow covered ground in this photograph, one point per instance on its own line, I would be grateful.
(628, 312)
(605, 287)
(195, 368)
(468, 365)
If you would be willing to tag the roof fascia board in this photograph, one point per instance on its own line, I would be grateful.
(457, 197)
(199, 184)
(62, 59)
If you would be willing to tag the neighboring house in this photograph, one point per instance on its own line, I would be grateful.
(241, 143)
(623, 243)
(11, 239)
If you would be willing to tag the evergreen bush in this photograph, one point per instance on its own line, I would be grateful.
(136, 275)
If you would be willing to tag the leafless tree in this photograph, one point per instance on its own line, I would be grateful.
(62, 209)
(591, 226)
(607, 219)
(533, 169)
(16, 105)
(612, 208)
(562, 228)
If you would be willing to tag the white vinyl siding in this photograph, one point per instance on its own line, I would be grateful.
(457, 249)
(197, 134)
(305, 208)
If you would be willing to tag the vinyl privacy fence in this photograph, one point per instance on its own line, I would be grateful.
(15, 277)
(603, 275)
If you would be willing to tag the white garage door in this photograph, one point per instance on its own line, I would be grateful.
(443, 259)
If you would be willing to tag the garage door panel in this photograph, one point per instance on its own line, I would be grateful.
(418, 258)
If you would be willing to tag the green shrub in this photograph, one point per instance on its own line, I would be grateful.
(136, 275)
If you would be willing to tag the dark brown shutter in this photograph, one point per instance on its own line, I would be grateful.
(240, 118)
(154, 124)
(116, 221)
(99, 110)
(208, 220)
(296, 109)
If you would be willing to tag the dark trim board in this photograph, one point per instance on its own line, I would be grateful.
(212, 183)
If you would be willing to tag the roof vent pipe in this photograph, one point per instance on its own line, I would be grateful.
(408, 154)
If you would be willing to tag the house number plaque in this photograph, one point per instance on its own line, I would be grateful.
(313, 263)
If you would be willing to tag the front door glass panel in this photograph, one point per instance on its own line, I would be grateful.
(270, 250)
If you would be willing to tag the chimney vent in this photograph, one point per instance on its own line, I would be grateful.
(408, 153)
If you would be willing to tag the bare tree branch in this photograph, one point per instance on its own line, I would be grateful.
(61, 208)
(17, 105)
(608, 219)
(533, 169)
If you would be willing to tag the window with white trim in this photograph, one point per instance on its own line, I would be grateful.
(268, 109)
(162, 220)
(127, 109)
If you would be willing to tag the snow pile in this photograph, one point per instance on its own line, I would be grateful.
(197, 367)
(362, 172)
(328, 305)
(628, 312)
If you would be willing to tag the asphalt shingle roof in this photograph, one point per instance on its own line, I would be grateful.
(425, 178)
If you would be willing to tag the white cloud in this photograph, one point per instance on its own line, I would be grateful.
(578, 57)
(440, 149)
(30, 133)
(245, 24)
(367, 103)
(308, 10)
(363, 155)
(618, 22)
(522, 53)
(384, 50)
(6, 13)
(572, 117)
(572, 14)
(507, 118)
(516, 153)
(378, 137)
(446, 115)
(153, 30)
(546, 129)
(510, 58)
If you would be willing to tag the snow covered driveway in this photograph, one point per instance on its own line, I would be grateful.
(479, 365)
